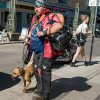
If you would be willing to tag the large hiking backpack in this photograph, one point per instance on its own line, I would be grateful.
(60, 39)
(37, 43)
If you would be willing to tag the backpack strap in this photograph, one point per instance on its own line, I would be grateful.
(41, 18)
(61, 17)
(51, 21)
(58, 15)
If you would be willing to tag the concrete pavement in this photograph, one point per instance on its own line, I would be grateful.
(10, 42)
(68, 83)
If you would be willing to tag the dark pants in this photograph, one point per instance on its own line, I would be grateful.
(43, 81)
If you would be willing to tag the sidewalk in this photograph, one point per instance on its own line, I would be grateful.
(10, 42)
(68, 83)
(21, 40)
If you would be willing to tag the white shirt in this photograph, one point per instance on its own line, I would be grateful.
(81, 28)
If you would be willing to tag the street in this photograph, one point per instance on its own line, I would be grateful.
(82, 83)
(11, 54)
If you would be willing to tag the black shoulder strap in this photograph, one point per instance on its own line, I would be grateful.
(50, 20)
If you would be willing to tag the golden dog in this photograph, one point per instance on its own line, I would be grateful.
(27, 73)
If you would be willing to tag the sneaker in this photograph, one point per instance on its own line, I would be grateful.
(73, 65)
(86, 63)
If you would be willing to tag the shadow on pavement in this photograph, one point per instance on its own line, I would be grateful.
(6, 81)
(65, 85)
(57, 64)
(94, 62)
(89, 63)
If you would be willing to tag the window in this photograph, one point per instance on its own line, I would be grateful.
(99, 9)
(24, 7)
(29, 18)
(63, 1)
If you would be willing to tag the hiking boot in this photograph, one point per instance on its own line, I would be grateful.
(37, 97)
(86, 63)
(35, 91)
(73, 65)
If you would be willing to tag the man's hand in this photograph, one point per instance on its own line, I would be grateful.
(89, 33)
(26, 41)
(45, 32)
(40, 33)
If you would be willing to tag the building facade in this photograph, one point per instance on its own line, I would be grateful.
(3, 12)
(25, 11)
(67, 8)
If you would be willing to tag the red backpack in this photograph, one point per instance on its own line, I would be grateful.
(49, 52)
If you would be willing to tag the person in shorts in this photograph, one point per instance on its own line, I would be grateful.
(82, 28)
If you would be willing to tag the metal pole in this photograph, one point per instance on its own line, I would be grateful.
(75, 22)
(13, 15)
(92, 42)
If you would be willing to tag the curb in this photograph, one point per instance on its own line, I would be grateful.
(11, 42)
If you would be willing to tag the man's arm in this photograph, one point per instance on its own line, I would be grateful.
(52, 28)
(55, 27)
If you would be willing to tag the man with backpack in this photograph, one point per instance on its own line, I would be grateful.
(43, 24)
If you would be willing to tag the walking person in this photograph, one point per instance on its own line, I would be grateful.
(82, 28)
(44, 23)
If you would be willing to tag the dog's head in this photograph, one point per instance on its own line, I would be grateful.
(17, 72)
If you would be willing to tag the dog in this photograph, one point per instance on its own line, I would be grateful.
(27, 73)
